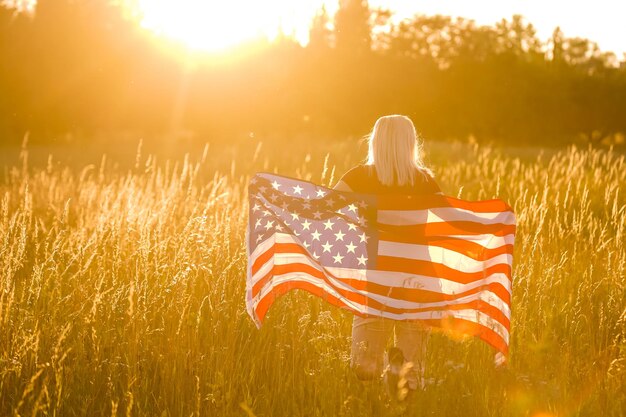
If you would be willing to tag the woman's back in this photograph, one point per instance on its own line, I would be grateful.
(363, 179)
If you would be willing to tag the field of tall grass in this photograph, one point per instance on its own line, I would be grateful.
(122, 291)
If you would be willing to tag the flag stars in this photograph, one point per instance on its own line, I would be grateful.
(327, 247)
(338, 258)
(328, 225)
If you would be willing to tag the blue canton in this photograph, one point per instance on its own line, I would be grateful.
(336, 228)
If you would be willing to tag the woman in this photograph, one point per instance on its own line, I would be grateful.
(394, 166)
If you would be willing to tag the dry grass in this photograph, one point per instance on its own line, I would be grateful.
(122, 293)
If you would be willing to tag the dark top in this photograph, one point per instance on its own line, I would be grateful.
(363, 179)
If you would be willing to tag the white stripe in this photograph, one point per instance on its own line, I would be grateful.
(467, 314)
(487, 241)
(443, 214)
(447, 257)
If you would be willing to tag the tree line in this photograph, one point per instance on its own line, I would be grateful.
(87, 67)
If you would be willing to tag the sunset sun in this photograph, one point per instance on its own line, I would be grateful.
(215, 26)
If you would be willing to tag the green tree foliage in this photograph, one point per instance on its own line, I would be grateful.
(81, 66)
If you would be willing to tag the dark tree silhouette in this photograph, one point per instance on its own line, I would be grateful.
(320, 33)
(352, 27)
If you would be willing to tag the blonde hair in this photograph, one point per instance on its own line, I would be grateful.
(395, 151)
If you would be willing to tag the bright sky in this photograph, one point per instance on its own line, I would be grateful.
(214, 25)
(601, 21)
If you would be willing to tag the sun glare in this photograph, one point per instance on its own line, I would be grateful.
(216, 26)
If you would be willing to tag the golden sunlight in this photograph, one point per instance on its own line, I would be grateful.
(215, 26)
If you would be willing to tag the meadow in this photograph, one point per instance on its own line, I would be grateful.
(122, 290)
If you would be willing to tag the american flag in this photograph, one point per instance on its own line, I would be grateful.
(440, 260)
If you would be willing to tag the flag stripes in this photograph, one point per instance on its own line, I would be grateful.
(394, 296)
(284, 264)
(405, 288)
(481, 324)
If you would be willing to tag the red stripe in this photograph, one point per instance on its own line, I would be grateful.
(426, 202)
(405, 233)
(478, 305)
(432, 269)
(451, 324)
